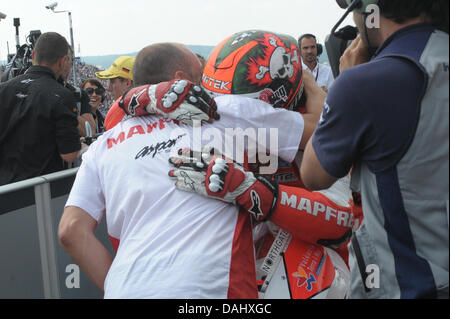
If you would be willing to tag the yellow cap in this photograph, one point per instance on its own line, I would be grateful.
(122, 67)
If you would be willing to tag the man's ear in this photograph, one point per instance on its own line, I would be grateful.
(33, 53)
(61, 62)
(180, 75)
(60, 65)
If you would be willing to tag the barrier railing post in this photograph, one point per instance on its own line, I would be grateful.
(47, 242)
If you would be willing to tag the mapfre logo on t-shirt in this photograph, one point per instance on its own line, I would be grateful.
(136, 130)
(154, 147)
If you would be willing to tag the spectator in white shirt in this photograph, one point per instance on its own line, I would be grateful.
(310, 51)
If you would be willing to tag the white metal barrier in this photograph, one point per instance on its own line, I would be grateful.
(32, 263)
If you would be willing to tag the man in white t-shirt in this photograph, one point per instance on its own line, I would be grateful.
(172, 244)
(310, 62)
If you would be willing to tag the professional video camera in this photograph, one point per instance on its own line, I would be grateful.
(22, 60)
(336, 43)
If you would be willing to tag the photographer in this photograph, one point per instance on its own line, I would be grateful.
(38, 124)
(82, 104)
(388, 118)
(83, 108)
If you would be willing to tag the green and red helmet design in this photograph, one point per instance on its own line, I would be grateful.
(257, 64)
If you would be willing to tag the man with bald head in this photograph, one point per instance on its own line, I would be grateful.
(158, 63)
(166, 61)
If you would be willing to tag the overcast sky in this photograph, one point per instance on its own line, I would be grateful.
(114, 27)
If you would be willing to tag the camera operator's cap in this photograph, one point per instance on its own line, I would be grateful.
(122, 67)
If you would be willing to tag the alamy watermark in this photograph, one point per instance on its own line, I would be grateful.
(373, 16)
(254, 146)
(373, 277)
(73, 279)
(251, 145)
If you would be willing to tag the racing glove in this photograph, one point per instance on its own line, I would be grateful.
(309, 216)
(179, 100)
(218, 177)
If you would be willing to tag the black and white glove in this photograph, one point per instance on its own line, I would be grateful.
(216, 176)
(178, 100)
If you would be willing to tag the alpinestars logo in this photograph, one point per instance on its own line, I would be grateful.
(256, 205)
(188, 180)
(134, 102)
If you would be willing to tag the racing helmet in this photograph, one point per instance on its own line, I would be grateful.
(257, 64)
